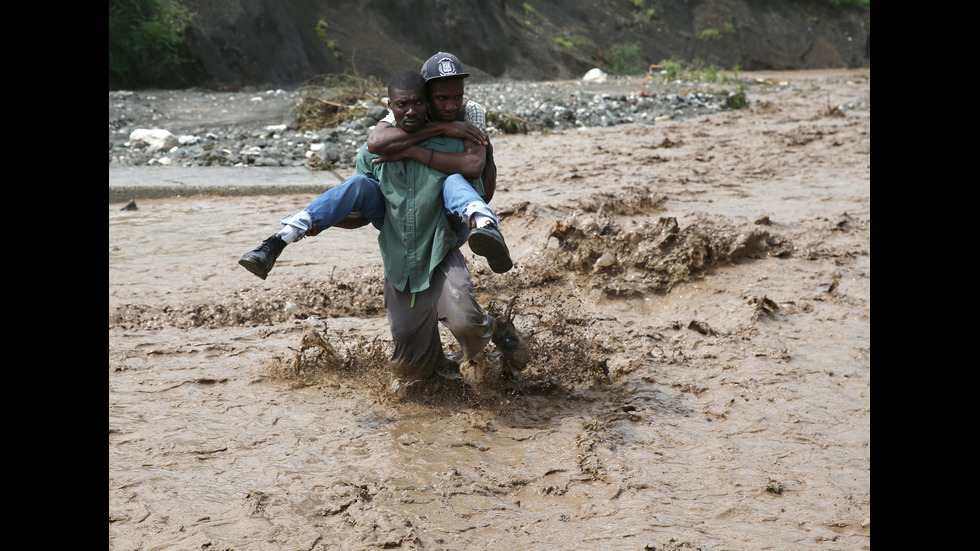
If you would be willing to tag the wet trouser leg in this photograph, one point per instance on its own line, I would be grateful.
(414, 328)
(461, 202)
(356, 194)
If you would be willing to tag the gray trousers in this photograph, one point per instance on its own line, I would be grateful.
(414, 328)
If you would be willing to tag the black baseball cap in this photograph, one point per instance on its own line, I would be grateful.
(442, 65)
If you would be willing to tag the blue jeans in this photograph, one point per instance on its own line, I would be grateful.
(362, 194)
(356, 194)
(461, 202)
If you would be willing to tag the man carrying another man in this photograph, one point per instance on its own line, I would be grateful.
(426, 278)
(357, 201)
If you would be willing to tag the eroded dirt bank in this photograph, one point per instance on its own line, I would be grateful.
(698, 298)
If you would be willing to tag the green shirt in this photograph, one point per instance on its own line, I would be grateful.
(416, 234)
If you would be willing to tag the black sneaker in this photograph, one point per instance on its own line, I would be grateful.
(488, 242)
(260, 260)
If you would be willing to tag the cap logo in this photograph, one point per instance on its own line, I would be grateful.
(446, 67)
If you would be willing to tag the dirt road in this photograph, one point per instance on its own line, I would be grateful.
(698, 298)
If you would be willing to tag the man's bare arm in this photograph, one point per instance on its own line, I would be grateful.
(386, 139)
(469, 162)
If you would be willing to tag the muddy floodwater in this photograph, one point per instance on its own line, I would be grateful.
(696, 295)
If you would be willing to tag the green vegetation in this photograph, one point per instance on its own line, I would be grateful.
(626, 59)
(144, 39)
(737, 99)
(564, 42)
(696, 72)
(735, 71)
(640, 6)
(671, 70)
(715, 34)
(336, 99)
(528, 11)
(321, 31)
(710, 34)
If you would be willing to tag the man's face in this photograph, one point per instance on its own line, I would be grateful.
(446, 97)
(409, 108)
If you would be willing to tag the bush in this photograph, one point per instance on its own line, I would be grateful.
(710, 34)
(671, 69)
(144, 39)
(564, 42)
(321, 31)
(626, 59)
(737, 99)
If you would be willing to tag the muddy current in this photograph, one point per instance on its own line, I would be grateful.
(695, 296)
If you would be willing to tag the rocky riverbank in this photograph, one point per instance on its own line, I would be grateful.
(205, 128)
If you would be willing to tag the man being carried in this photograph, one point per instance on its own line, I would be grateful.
(455, 116)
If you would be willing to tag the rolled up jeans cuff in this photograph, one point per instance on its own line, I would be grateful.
(302, 221)
(482, 208)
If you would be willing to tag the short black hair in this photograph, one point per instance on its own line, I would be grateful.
(405, 80)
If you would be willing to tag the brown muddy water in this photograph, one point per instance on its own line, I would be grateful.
(697, 298)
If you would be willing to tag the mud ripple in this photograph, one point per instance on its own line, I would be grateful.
(636, 259)
(301, 299)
